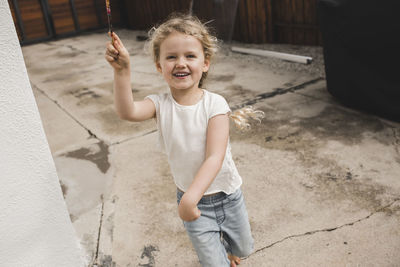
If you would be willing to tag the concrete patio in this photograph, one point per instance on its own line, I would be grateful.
(321, 181)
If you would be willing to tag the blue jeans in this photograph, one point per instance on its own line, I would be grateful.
(222, 227)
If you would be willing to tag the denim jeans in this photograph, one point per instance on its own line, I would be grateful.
(222, 228)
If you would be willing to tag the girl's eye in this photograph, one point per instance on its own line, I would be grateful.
(170, 57)
(191, 56)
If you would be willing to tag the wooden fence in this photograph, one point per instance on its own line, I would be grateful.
(257, 21)
(39, 20)
(280, 21)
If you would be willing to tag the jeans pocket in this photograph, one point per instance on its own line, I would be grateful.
(235, 196)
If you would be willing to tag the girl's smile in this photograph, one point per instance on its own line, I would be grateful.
(182, 62)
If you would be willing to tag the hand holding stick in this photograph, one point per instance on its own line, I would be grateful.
(110, 30)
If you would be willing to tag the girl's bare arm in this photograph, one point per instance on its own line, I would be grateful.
(217, 141)
(126, 108)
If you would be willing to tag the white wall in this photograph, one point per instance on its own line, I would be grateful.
(35, 228)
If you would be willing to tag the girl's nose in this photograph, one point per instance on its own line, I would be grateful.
(180, 62)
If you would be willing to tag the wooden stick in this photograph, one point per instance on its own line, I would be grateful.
(110, 29)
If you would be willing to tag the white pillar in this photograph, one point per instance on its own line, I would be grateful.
(35, 228)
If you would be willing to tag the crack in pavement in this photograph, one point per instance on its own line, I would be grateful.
(396, 140)
(96, 258)
(275, 92)
(91, 134)
(134, 137)
(326, 229)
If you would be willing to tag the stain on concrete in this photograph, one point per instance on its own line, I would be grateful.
(106, 261)
(64, 188)
(339, 184)
(98, 156)
(72, 218)
(221, 78)
(66, 55)
(54, 77)
(110, 226)
(147, 255)
(79, 93)
(76, 49)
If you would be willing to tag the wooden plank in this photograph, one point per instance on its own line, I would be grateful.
(310, 17)
(251, 16)
(289, 18)
(62, 16)
(32, 19)
(148, 14)
(87, 17)
(240, 29)
(261, 21)
(134, 17)
(277, 14)
(298, 18)
(270, 22)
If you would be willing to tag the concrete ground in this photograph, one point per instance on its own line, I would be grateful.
(321, 182)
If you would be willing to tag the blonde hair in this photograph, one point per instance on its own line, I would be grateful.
(241, 117)
(186, 24)
(191, 25)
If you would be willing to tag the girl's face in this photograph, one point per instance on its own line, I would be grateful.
(182, 61)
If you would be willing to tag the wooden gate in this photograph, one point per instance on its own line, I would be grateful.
(39, 20)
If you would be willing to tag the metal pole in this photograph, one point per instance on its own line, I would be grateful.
(265, 53)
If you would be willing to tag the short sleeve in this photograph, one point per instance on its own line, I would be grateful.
(218, 106)
(156, 101)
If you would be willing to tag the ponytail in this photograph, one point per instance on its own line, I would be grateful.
(241, 117)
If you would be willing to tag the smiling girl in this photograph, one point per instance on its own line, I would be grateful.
(193, 127)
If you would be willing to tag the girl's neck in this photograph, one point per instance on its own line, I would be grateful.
(187, 97)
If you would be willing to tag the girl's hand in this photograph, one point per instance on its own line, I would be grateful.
(187, 211)
(116, 54)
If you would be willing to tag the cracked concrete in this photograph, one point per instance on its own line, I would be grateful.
(321, 181)
(325, 230)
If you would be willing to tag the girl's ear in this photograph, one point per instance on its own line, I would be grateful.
(206, 65)
(158, 66)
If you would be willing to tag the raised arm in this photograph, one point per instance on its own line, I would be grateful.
(126, 108)
(217, 140)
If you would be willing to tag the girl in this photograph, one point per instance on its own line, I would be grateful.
(193, 127)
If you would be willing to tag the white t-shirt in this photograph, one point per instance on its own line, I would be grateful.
(182, 136)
